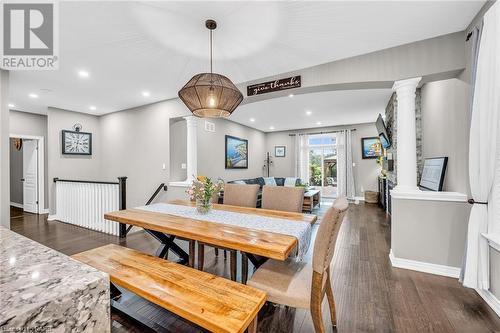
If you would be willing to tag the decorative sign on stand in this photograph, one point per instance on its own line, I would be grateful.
(276, 85)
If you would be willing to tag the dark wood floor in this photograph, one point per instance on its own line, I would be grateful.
(371, 296)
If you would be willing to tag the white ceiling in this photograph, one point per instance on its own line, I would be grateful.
(128, 47)
(330, 108)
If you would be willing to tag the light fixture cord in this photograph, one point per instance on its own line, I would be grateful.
(211, 51)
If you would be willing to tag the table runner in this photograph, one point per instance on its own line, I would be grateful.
(300, 230)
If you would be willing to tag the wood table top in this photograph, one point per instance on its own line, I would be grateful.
(268, 244)
(215, 303)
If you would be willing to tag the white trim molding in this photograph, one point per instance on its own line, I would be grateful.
(41, 167)
(493, 241)
(17, 205)
(424, 267)
(490, 299)
(429, 195)
(184, 183)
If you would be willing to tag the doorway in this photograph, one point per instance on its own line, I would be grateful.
(26, 173)
(323, 163)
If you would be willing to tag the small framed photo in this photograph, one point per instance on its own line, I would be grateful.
(279, 151)
(371, 147)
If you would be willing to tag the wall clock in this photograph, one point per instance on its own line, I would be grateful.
(76, 143)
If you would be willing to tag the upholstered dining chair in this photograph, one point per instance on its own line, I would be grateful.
(304, 284)
(241, 195)
(287, 199)
(236, 195)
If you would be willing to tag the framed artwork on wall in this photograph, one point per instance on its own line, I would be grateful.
(76, 143)
(236, 153)
(371, 147)
(279, 151)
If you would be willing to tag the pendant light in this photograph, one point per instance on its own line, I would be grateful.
(210, 95)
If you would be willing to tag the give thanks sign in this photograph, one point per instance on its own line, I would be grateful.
(270, 86)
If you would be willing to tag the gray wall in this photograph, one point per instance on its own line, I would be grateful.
(429, 231)
(4, 150)
(445, 129)
(65, 166)
(365, 172)
(495, 272)
(23, 123)
(178, 149)
(16, 173)
(211, 150)
(136, 143)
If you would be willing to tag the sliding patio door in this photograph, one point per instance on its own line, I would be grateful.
(323, 164)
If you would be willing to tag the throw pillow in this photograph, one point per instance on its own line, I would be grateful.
(270, 181)
(290, 181)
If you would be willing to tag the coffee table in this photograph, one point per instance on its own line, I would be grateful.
(312, 198)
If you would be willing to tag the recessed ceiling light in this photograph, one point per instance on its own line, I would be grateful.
(291, 95)
(318, 123)
(93, 108)
(252, 120)
(308, 112)
(84, 74)
(146, 93)
(33, 95)
(11, 105)
(271, 127)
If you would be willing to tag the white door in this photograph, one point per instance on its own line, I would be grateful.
(30, 176)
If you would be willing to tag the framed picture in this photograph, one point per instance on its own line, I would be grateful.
(236, 153)
(279, 151)
(76, 143)
(371, 147)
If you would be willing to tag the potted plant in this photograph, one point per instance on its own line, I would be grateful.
(202, 191)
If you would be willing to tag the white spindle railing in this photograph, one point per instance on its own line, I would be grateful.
(85, 203)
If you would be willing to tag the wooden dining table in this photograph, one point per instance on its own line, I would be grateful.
(256, 244)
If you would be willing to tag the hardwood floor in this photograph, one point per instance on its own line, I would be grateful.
(371, 296)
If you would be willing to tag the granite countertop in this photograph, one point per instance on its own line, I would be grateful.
(34, 277)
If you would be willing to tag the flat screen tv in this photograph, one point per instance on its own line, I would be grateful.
(433, 173)
(382, 132)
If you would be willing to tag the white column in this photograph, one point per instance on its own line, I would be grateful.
(4, 150)
(406, 135)
(192, 148)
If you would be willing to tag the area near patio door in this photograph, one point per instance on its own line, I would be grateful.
(323, 163)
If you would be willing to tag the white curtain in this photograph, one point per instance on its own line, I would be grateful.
(345, 174)
(484, 149)
(302, 158)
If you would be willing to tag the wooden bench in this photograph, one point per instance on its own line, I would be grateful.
(212, 302)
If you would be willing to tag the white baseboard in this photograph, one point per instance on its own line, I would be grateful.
(424, 267)
(359, 198)
(44, 211)
(17, 205)
(490, 299)
(52, 217)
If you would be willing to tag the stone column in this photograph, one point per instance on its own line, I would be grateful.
(192, 148)
(406, 135)
(4, 150)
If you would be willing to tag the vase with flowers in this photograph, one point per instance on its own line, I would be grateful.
(202, 190)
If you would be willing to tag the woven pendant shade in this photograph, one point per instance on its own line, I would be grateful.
(210, 95)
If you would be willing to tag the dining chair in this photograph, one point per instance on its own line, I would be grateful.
(241, 195)
(287, 199)
(304, 284)
(235, 195)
